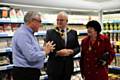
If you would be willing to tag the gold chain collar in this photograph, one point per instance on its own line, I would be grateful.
(62, 34)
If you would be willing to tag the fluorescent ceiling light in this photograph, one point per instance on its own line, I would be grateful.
(56, 8)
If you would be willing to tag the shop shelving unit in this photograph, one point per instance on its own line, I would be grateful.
(74, 24)
(111, 27)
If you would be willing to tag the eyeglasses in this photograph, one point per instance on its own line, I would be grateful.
(62, 20)
(37, 20)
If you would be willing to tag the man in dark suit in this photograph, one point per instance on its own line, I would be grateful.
(60, 62)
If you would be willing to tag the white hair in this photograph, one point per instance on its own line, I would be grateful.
(63, 13)
(30, 15)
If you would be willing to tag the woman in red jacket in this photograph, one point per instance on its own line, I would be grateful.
(96, 53)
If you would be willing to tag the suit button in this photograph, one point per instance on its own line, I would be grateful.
(88, 72)
(95, 58)
(95, 65)
(95, 51)
(87, 59)
(96, 72)
(88, 65)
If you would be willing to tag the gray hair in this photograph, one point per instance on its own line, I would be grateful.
(30, 15)
(63, 13)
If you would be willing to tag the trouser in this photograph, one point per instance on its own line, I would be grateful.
(20, 73)
(59, 77)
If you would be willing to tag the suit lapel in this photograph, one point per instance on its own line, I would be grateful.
(61, 41)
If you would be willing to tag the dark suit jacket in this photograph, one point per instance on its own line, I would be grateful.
(57, 65)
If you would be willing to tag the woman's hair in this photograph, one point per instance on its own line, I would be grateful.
(94, 24)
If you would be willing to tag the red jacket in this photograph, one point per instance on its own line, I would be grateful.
(90, 54)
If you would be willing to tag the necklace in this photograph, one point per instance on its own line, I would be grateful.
(91, 43)
(90, 48)
(62, 32)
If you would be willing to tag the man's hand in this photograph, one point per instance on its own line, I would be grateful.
(64, 52)
(49, 47)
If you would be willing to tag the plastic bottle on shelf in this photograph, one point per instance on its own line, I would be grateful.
(108, 32)
(20, 16)
(13, 16)
(104, 26)
(1, 27)
(7, 28)
(118, 48)
(113, 33)
(117, 34)
(0, 14)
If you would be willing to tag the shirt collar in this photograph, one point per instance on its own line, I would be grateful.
(28, 29)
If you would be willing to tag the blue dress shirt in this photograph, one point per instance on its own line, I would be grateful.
(26, 50)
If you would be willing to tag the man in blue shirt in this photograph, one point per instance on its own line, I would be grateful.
(28, 56)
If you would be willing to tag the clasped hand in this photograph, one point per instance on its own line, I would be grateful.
(64, 52)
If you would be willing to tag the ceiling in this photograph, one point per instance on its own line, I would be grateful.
(70, 4)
